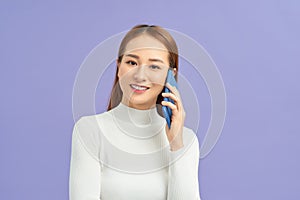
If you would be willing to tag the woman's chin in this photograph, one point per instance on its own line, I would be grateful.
(140, 103)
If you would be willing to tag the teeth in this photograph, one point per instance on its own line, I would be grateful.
(138, 87)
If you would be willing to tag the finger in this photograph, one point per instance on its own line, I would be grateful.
(173, 89)
(172, 106)
(170, 95)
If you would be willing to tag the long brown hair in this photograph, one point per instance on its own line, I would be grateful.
(161, 35)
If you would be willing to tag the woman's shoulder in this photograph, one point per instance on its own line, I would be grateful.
(94, 126)
(189, 133)
(88, 127)
(190, 148)
(93, 119)
(87, 130)
(188, 130)
(190, 138)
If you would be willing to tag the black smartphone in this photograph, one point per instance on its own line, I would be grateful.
(166, 110)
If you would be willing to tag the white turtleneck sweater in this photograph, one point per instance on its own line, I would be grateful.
(124, 154)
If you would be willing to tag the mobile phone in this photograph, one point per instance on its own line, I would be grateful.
(166, 110)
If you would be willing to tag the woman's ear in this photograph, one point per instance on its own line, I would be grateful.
(174, 71)
(117, 62)
(118, 67)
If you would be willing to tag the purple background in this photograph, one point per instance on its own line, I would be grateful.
(255, 45)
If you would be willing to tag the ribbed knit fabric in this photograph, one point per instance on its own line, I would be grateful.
(124, 154)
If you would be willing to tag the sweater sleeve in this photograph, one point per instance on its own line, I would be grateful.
(183, 173)
(85, 169)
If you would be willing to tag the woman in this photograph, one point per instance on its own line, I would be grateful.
(129, 152)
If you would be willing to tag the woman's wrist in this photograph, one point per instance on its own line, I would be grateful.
(174, 146)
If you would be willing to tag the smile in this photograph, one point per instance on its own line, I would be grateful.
(138, 87)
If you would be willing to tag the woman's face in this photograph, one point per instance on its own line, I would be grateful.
(142, 72)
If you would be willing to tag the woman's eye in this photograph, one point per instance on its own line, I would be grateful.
(130, 62)
(154, 67)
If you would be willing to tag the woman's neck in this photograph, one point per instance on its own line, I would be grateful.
(138, 123)
(144, 106)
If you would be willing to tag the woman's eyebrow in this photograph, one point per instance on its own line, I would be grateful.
(155, 60)
(132, 55)
(150, 59)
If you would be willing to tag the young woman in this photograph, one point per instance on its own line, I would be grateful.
(129, 152)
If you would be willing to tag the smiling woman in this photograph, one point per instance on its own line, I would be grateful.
(112, 151)
(142, 72)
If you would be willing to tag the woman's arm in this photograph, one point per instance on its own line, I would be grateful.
(183, 173)
(85, 170)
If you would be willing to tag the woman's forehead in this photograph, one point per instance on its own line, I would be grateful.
(145, 42)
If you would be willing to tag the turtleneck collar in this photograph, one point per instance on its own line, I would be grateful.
(137, 123)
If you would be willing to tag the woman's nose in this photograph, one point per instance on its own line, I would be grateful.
(140, 73)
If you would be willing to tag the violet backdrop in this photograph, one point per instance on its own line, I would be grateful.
(255, 45)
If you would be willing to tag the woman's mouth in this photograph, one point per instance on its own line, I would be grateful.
(139, 88)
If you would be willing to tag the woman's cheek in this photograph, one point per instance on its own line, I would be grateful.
(121, 72)
(159, 80)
